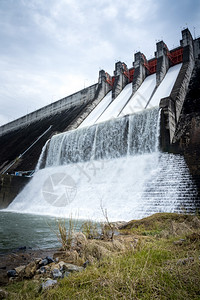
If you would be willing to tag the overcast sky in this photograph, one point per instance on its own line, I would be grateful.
(52, 48)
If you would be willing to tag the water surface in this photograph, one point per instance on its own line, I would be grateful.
(34, 231)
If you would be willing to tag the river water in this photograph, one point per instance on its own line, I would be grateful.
(34, 231)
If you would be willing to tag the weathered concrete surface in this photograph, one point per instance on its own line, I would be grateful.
(17, 141)
(17, 136)
(102, 90)
(10, 186)
(80, 98)
(186, 139)
(120, 79)
(163, 63)
(140, 71)
(172, 105)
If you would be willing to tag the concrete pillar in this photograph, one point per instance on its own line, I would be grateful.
(102, 89)
(168, 122)
(172, 105)
(120, 79)
(179, 91)
(162, 62)
(105, 87)
(188, 46)
(197, 48)
(186, 38)
(140, 71)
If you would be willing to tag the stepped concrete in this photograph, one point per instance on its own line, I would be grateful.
(173, 181)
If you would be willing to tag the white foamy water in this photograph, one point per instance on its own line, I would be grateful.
(129, 187)
(141, 97)
(166, 86)
(115, 166)
(117, 105)
(97, 111)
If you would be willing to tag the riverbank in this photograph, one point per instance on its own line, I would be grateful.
(157, 257)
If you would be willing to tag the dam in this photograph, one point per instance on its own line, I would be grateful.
(128, 144)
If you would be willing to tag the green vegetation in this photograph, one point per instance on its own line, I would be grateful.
(160, 260)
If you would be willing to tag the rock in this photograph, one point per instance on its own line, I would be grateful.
(86, 263)
(50, 259)
(3, 294)
(48, 284)
(56, 259)
(38, 260)
(20, 270)
(43, 262)
(11, 273)
(30, 270)
(23, 248)
(179, 242)
(56, 274)
(184, 261)
(66, 274)
(53, 266)
(42, 270)
(69, 267)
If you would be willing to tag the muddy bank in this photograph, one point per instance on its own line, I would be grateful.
(11, 260)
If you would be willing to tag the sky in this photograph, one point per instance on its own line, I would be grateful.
(50, 49)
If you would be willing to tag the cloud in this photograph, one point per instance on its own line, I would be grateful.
(50, 48)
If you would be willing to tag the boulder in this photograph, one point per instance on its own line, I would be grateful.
(179, 242)
(30, 270)
(66, 274)
(20, 270)
(49, 259)
(185, 261)
(43, 262)
(48, 284)
(56, 274)
(11, 273)
(69, 267)
(42, 270)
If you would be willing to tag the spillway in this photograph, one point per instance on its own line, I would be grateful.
(148, 95)
(114, 165)
(165, 87)
(112, 161)
(116, 106)
(141, 98)
(97, 111)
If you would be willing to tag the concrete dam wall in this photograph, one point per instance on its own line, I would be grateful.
(169, 81)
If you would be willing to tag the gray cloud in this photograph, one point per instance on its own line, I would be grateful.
(50, 49)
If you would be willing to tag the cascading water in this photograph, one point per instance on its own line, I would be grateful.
(114, 165)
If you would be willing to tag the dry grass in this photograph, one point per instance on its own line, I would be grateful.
(135, 266)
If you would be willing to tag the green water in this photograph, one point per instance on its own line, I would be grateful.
(37, 232)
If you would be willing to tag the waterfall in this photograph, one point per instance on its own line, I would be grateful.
(115, 165)
(134, 134)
